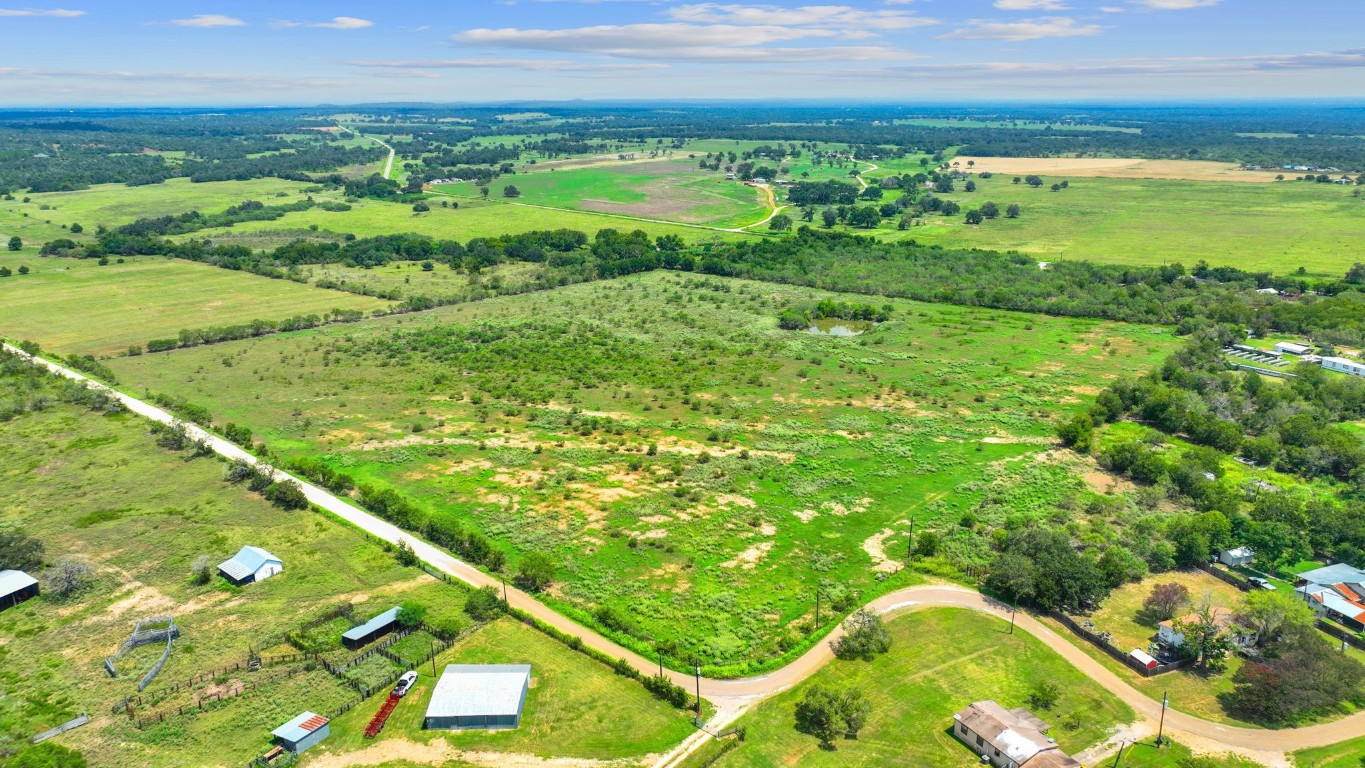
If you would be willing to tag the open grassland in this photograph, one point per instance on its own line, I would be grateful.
(1277, 227)
(407, 278)
(98, 487)
(940, 661)
(673, 190)
(76, 305)
(576, 708)
(1146, 754)
(112, 205)
(474, 218)
(1121, 612)
(695, 470)
(1116, 167)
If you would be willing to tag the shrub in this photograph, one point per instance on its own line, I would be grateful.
(19, 551)
(70, 577)
(484, 604)
(865, 636)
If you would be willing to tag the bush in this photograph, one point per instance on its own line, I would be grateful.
(70, 577)
(411, 614)
(286, 494)
(536, 572)
(865, 636)
(201, 570)
(19, 551)
(484, 604)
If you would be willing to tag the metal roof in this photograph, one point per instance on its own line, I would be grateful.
(479, 690)
(378, 622)
(1334, 574)
(13, 581)
(247, 561)
(300, 727)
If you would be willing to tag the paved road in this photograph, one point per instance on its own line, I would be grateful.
(388, 164)
(733, 697)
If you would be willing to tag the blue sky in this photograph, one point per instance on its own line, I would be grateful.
(231, 52)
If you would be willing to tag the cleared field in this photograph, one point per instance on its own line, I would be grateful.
(576, 708)
(1118, 168)
(474, 218)
(1277, 227)
(674, 190)
(915, 690)
(1120, 613)
(76, 305)
(695, 470)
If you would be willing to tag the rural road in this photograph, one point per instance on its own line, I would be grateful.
(733, 697)
(388, 164)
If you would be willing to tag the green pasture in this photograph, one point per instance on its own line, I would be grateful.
(673, 190)
(941, 660)
(408, 278)
(576, 708)
(1146, 754)
(1347, 754)
(781, 461)
(1277, 227)
(76, 305)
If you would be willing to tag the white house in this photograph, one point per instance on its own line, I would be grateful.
(1235, 557)
(1342, 365)
(249, 565)
(1167, 634)
(1008, 738)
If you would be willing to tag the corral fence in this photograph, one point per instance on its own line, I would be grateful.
(204, 703)
(1118, 653)
(59, 730)
(141, 636)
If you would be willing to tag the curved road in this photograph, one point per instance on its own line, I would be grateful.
(732, 697)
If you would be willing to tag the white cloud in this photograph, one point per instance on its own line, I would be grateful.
(344, 22)
(1030, 29)
(1030, 5)
(57, 12)
(526, 65)
(1175, 5)
(205, 20)
(829, 16)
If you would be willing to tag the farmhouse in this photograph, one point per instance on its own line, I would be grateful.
(1008, 738)
(249, 565)
(302, 732)
(15, 588)
(470, 696)
(1169, 635)
(1290, 348)
(1342, 365)
(1336, 591)
(370, 631)
(1235, 557)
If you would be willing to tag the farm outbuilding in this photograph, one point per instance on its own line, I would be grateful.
(478, 696)
(1342, 365)
(302, 732)
(370, 631)
(249, 565)
(1237, 556)
(15, 588)
(1143, 658)
(1290, 348)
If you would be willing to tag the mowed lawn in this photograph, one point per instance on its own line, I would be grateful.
(941, 660)
(1347, 754)
(576, 707)
(1278, 227)
(78, 306)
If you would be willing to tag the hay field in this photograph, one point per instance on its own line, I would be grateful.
(1116, 168)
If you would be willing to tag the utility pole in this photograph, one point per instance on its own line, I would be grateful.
(661, 661)
(1013, 608)
(1161, 729)
(910, 544)
(699, 693)
(817, 607)
(504, 590)
(432, 643)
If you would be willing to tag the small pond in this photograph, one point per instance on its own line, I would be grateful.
(833, 326)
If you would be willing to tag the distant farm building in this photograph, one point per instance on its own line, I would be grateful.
(1143, 658)
(249, 565)
(1237, 557)
(1008, 738)
(370, 631)
(15, 588)
(1290, 348)
(478, 696)
(302, 732)
(1342, 365)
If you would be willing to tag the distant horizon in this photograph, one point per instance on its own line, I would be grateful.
(251, 53)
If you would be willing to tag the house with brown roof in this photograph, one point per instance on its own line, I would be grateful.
(1167, 633)
(1009, 738)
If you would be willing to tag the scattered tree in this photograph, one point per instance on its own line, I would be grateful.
(865, 636)
(511, 191)
(780, 223)
(1012, 211)
(974, 217)
(1205, 638)
(828, 713)
(829, 217)
(1165, 601)
(411, 614)
(19, 551)
(990, 210)
(69, 577)
(1273, 616)
(16, 244)
(484, 604)
(201, 570)
(404, 554)
(536, 571)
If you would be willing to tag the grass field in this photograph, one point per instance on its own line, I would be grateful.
(76, 305)
(781, 460)
(915, 690)
(673, 190)
(1348, 754)
(1146, 754)
(1277, 227)
(576, 708)
(407, 278)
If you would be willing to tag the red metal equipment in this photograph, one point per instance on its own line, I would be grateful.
(382, 716)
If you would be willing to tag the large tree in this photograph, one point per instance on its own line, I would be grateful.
(19, 551)
(865, 636)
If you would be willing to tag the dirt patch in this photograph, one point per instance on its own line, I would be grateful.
(805, 515)
(840, 510)
(1118, 168)
(749, 558)
(726, 499)
(144, 600)
(875, 547)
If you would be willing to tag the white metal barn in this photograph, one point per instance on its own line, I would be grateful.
(249, 565)
(1342, 365)
(487, 696)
